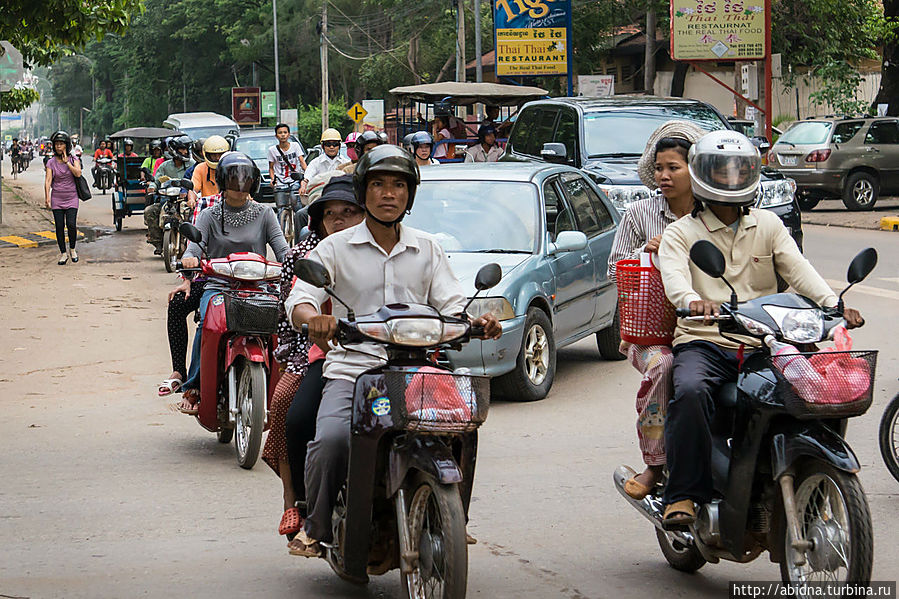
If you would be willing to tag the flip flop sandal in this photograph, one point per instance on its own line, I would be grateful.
(306, 547)
(291, 522)
(679, 515)
(635, 489)
(192, 411)
(169, 386)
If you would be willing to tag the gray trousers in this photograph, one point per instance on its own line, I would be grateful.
(154, 231)
(328, 457)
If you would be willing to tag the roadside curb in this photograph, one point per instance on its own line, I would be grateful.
(889, 223)
(41, 238)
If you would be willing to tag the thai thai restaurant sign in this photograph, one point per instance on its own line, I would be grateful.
(531, 36)
(717, 30)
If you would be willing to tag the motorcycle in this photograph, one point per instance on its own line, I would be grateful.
(412, 450)
(105, 174)
(238, 371)
(889, 437)
(785, 479)
(175, 210)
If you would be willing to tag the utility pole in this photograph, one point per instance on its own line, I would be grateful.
(277, 77)
(478, 68)
(460, 40)
(324, 51)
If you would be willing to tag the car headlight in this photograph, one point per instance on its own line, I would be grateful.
(753, 326)
(414, 332)
(248, 270)
(776, 193)
(498, 306)
(622, 195)
(798, 326)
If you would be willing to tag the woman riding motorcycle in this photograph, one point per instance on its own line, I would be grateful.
(236, 224)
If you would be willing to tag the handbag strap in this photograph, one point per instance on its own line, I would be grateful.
(287, 162)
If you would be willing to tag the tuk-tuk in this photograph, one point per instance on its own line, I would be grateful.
(417, 104)
(130, 195)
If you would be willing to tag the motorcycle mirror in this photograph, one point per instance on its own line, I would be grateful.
(861, 266)
(489, 276)
(187, 184)
(191, 232)
(708, 258)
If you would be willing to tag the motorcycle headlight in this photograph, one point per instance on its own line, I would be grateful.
(272, 271)
(248, 270)
(798, 326)
(498, 306)
(622, 195)
(754, 327)
(414, 332)
(172, 192)
(222, 268)
(776, 193)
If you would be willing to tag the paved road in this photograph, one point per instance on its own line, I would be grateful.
(107, 493)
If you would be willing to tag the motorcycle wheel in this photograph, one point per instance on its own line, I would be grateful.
(250, 418)
(170, 244)
(833, 513)
(889, 437)
(685, 558)
(436, 522)
(285, 221)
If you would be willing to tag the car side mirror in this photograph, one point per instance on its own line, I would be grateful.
(488, 276)
(554, 152)
(568, 241)
(191, 232)
(761, 142)
(313, 273)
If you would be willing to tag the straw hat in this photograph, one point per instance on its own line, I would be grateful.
(646, 167)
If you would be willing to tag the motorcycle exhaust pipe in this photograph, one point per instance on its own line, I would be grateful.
(650, 507)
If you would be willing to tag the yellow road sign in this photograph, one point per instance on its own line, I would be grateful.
(356, 112)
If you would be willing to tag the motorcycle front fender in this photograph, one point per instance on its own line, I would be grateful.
(810, 440)
(250, 348)
(426, 454)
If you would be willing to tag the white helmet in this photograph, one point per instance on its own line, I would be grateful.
(725, 168)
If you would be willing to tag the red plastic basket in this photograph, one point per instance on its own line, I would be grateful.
(647, 317)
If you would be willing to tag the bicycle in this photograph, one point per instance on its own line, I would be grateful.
(287, 204)
(889, 437)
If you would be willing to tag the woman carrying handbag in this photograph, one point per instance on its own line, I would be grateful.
(61, 193)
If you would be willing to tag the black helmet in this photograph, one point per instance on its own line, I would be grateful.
(237, 171)
(337, 188)
(196, 149)
(62, 136)
(180, 143)
(386, 158)
(156, 144)
(422, 138)
(484, 131)
(368, 137)
(127, 142)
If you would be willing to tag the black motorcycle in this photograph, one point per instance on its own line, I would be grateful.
(175, 210)
(785, 479)
(412, 450)
(105, 174)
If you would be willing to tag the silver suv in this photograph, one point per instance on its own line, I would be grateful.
(856, 159)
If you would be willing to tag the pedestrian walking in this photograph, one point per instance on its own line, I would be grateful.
(61, 195)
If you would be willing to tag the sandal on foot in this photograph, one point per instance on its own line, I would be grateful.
(470, 540)
(291, 522)
(679, 515)
(169, 386)
(636, 489)
(303, 546)
(192, 407)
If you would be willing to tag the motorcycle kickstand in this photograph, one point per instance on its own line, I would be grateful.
(408, 558)
(799, 544)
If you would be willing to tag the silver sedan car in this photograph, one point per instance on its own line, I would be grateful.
(551, 230)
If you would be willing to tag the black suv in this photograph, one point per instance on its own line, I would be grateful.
(606, 136)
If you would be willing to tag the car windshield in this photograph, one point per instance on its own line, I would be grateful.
(204, 132)
(809, 132)
(478, 216)
(254, 147)
(624, 132)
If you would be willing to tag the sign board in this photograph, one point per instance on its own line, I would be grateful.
(245, 105)
(269, 100)
(356, 112)
(290, 118)
(715, 30)
(11, 68)
(374, 120)
(596, 85)
(532, 37)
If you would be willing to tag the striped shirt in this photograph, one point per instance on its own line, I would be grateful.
(643, 220)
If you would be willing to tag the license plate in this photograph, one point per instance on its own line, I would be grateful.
(788, 160)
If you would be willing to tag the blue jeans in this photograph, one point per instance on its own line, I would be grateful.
(193, 373)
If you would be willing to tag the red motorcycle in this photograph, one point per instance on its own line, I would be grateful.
(238, 371)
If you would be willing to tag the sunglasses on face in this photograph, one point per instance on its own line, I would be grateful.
(331, 144)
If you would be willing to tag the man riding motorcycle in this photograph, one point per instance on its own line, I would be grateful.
(153, 161)
(329, 160)
(372, 264)
(174, 168)
(127, 149)
(724, 169)
(362, 144)
(204, 176)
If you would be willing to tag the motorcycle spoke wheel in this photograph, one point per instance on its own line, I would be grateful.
(437, 534)
(250, 418)
(889, 437)
(834, 517)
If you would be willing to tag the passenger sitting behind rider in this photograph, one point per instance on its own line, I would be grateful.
(372, 264)
(724, 170)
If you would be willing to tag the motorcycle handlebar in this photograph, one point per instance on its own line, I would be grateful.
(682, 312)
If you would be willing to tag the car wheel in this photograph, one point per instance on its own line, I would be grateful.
(861, 191)
(608, 340)
(535, 367)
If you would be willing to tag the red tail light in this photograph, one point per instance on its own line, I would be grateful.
(818, 156)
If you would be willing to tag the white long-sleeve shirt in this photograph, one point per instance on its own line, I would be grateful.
(323, 164)
(366, 277)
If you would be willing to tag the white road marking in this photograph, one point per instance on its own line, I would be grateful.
(866, 289)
